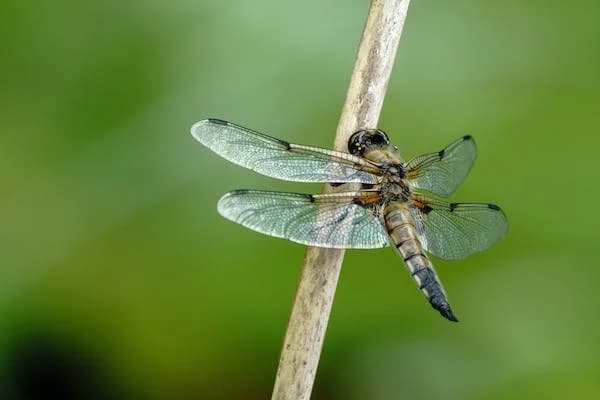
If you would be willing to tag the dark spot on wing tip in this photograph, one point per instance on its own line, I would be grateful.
(311, 198)
(217, 121)
(453, 206)
(426, 209)
(239, 191)
(467, 137)
(441, 153)
(493, 207)
(447, 313)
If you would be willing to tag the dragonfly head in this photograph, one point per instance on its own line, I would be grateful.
(366, 139)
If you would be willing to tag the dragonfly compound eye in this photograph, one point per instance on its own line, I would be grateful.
(361, 140)
(379, 137)
(356, 143)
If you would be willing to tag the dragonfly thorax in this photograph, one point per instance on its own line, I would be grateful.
(395, 191)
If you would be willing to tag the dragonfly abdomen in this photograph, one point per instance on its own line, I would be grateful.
(401, 229)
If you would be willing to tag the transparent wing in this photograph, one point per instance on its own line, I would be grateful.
(329, 220)
(282, 160)
(442, 172)
(455, 230)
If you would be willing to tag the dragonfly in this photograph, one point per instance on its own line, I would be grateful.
(399, 203)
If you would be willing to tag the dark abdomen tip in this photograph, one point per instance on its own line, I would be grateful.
(441, 304)
(448, 314)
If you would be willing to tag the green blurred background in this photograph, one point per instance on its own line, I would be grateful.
(118, 279)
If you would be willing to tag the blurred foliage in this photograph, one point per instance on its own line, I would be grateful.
(113, 255)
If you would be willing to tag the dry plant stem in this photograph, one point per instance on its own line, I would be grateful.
(314, 297)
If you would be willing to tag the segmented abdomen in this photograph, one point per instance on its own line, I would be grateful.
(401, 228)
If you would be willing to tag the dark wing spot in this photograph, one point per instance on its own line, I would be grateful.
(239, 191)
(493, 207)
(358, 202)
(453, 206)
(311, 198)
(286, 144)
(426, 209)
(441, 153)
(218, 121)
(335, 184)
(467, 137)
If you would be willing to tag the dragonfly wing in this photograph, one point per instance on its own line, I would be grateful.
(442, 172)
(328, 220)
(455, 230)
(282, 160)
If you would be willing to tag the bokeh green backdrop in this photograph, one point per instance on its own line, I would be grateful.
(112, 254)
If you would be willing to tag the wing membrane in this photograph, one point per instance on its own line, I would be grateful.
(442, 172)
(455, 230)
(282, 160)
(329, 220)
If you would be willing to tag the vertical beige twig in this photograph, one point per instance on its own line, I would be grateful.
(310, 313)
